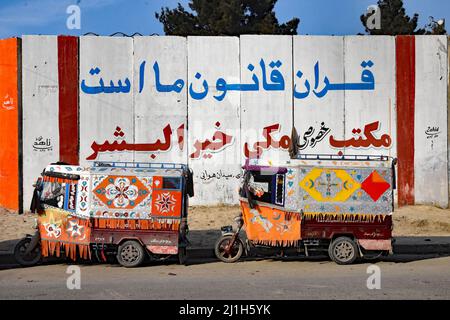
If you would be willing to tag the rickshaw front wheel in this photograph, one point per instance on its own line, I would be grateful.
(130, 254)
(226, 254)
(24, 259)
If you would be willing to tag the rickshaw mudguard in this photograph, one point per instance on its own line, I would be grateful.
(228, 234)
(35, 239)
(376, 244)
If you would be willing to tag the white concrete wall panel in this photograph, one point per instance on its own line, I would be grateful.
(106, 118)
(430, 121)
(214, 120)
(154, 108)
(267, 105)
(40, 108)
(370, 106)
(318, 57)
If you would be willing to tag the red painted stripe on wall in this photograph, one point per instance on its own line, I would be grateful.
(405, 78)
(9, 128)
(68, 99)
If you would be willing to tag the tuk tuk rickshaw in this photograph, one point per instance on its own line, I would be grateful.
(128, 210)
(340, 205)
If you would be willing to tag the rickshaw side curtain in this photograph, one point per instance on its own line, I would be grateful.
(270, 226)
(58, 230)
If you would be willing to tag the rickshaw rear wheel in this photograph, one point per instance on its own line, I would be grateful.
(130, 254)
(30, 259)
(343, 250)
(232, 255)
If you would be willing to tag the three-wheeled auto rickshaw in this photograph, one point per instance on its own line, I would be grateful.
(128, 210)
(337, 204)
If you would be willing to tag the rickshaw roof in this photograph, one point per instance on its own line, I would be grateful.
(346, 161)
(121, 168)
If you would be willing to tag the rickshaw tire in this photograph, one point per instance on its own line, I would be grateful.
(19, 258)
(343, 241)
(136, 247)
(238, 254)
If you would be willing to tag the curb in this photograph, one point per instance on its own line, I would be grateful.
(201, 253)
(421, 245)
(401, 246)
(7, 247)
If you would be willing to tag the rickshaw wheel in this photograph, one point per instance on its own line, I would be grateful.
(30, 259)
(130, 254)
(343, 250)
(234, 254)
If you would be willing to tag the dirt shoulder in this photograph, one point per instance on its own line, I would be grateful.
(408, 221)
(421, 221)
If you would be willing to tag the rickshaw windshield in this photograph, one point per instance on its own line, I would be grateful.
(52, 190)
(57, 189)
(266, 187)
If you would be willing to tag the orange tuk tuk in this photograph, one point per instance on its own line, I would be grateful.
(131, 211)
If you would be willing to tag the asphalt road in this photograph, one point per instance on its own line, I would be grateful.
(408, 277)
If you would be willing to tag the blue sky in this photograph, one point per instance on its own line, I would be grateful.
(104, 17)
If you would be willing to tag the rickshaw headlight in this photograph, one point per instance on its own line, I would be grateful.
(226, 229)
(239, 221)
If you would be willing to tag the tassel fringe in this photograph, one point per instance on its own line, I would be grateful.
(52, 248)
(277, 243)
(346, 217)
(292, 216)
(59, 180)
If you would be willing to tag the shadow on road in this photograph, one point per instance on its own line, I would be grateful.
(201, 251)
